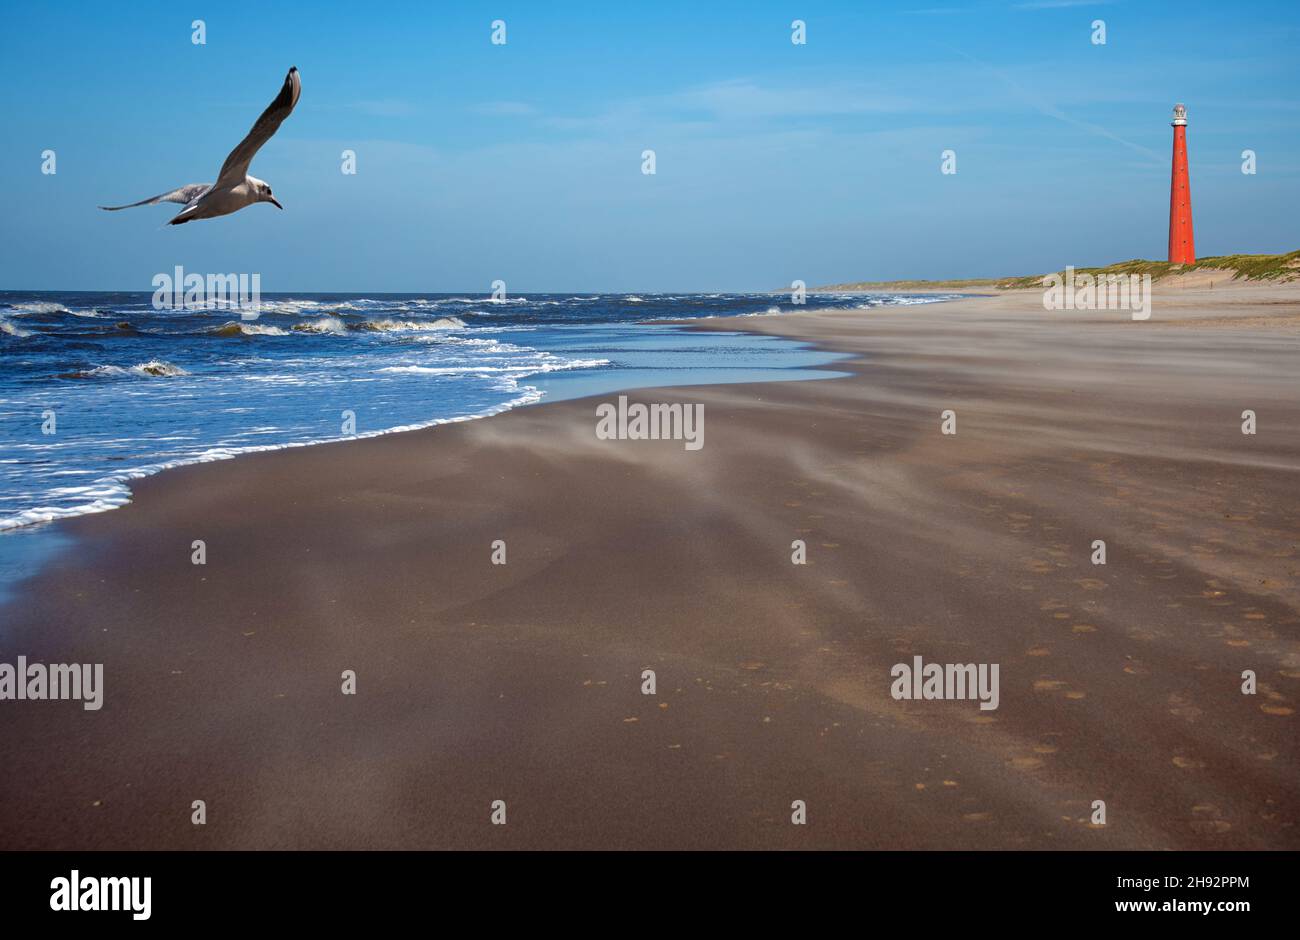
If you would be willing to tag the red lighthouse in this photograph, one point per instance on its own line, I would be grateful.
(1182, 248)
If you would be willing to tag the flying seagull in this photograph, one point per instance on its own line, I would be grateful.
(234, 188)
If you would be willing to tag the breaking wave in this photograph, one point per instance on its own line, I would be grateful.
(234, 328)
(154, 368)
(410, 326)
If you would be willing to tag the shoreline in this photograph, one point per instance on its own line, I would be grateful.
(523, 681)
(534, 392)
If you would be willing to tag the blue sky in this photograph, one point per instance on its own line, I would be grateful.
(523, 162)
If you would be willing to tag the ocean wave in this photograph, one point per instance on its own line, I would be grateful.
(291, 307)
(409, 326)
(154, 368)
(10, 329)
(302, 308)
(897, 300)
(38, 306)
(321, 325)
(520, 370)
(236, 328)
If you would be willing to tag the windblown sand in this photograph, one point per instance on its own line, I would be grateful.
(522, 682)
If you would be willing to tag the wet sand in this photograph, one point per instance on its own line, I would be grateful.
(522, 682)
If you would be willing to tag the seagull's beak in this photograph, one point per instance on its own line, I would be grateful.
(272, 200)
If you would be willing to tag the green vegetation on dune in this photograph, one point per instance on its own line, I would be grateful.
(1246, 267)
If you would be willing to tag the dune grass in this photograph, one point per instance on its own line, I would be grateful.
(1243, 267)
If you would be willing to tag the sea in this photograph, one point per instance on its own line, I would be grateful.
(98, 389)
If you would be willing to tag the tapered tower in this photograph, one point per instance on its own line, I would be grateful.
(1182, 247)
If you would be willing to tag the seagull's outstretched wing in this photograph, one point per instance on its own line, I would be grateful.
(236, 166)
(184, 195)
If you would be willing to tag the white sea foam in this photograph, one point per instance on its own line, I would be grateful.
(236, 328)
(113, 491)
(290, 307)
(321, 325)
(410, 326)
(154, 368)
(519, 371)
(37, 306)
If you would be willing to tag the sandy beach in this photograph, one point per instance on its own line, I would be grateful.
(522, 682)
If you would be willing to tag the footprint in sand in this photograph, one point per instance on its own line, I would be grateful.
(1056, 685)
(1181, 707)
(1208, 819)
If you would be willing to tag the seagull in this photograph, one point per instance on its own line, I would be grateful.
(234, 187)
